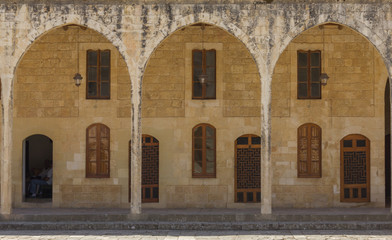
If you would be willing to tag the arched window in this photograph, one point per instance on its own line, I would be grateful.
(97, 151)
(355, 169)
(204, 151)
(309, 151)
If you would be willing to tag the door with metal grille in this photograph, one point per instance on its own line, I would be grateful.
(355, 169)
(247, 169)
(150, 169)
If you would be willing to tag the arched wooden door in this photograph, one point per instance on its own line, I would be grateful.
(150, 169)
(355, 169)
(247, 169)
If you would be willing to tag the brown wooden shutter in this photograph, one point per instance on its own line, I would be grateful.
(98, 74)
(204, 62)
(308, 74)
(98, 151)
(309, 150)
(204, 151)
(315, 151)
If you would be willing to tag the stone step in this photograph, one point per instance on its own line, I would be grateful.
(225, 218)
(249, 226)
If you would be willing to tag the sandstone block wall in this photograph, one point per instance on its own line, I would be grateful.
(352, 103)
(170, 66)
(233, 113)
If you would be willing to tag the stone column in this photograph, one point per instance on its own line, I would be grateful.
(136, 147)
(6, 145)
(266, 173)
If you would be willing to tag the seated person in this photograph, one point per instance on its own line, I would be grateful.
(46, 180)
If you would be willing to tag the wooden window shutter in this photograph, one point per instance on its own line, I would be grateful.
(204, 151)
(204, 62)
(98, 151)
(98, 74)
(308, 74)
(309, 150)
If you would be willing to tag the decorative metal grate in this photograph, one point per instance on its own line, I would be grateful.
(248, 168)
(150, 165)
(355, 167)
(247, 171)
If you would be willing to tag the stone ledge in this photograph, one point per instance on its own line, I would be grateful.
(196, 226)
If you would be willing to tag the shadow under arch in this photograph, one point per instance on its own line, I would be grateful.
(301, 28)
(37, 157)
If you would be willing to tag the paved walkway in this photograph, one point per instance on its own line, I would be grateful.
(195, 235)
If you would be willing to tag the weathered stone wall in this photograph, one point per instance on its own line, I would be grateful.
(352, 103)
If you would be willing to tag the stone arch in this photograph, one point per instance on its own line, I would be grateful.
(366, 32)
(59, 21)
(206, 18)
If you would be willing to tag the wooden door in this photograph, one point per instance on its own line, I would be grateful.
(247, 169)
(355, 169)
(150, 169)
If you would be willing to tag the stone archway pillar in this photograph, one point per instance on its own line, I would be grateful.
(266, 166)
(6, 145)
(136, 146)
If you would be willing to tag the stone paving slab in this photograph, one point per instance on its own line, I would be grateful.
(196, 235)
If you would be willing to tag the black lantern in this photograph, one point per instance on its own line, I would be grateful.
(78, 79)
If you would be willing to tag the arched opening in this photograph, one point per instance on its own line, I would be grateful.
(37, 168)
(351, 100)
(199, 74)
(47, 99)
(387, 121)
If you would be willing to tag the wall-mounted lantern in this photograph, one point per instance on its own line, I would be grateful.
(78, 79)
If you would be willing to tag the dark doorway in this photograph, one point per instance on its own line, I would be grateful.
(387, 146)
(37, 168)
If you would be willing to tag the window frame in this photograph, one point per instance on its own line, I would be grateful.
(256, 192)
(98, 148)
(366, 149)
(204, 71)
(308, 174)
(309, 80)
(98, 66)
(204, 173)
